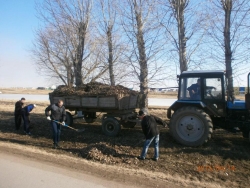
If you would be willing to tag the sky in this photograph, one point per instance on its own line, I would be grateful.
(18, 23)
(17, 26)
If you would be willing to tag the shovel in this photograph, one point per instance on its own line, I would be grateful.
(78, 130)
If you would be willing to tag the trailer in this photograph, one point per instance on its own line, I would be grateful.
(117, 109)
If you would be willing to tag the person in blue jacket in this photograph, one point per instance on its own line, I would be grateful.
(26, 117)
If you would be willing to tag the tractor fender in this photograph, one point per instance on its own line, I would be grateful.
(179, 104)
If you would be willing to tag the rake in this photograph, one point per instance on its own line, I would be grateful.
(78, 130)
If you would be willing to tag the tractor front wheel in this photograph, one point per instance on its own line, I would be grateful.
(191, 126)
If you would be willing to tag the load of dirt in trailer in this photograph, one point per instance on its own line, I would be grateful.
(93, 88)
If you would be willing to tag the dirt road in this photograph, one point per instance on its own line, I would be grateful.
(26, 166)
(19, 170)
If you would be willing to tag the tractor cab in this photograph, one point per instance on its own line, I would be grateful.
(205, 89)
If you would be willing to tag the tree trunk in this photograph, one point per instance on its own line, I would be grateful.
(70, 75)
(179, 7)
(80, 51)
(110, 58)
(227, 5)
(78, 73)
(143, 86)
(182, 39)
(142, 60)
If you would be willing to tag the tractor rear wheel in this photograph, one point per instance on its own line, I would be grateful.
(191, 126)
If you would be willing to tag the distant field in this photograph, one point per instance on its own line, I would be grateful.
(24, 91)
(45, 92)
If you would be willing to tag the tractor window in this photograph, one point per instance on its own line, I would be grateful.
(212, 88)
(190, 89)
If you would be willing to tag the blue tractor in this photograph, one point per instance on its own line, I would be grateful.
(203, 105)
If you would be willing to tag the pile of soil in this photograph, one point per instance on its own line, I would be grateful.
(93, 88)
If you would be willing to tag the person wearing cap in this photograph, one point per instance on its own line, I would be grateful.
(151, 132)
(57, 118)
(26, 118)
(18, 113)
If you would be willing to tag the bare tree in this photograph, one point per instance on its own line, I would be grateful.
(109, 16)
(142, 51)
(66, 41)
(182, 23)
(51, 57)
(109, 39)
(230, 32)
(143, 32)
(227, 6)
(179, 7)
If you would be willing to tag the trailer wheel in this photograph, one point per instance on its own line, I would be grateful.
(69, 119)
(128, 124)
(89, 117)
(191, 126)
(111, 126)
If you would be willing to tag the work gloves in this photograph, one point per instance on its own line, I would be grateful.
(48, 118)
(63, 123)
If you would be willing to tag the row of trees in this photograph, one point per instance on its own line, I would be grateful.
(139, 41)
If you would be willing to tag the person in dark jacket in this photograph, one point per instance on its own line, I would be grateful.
(151, 132)
(194, 90)
(18, 113)
(26, 117)
(57, 118)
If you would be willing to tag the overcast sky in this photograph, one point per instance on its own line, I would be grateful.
(17, 23)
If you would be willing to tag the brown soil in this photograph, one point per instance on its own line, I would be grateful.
(93, 88)
(45, 92)
(223, 162)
